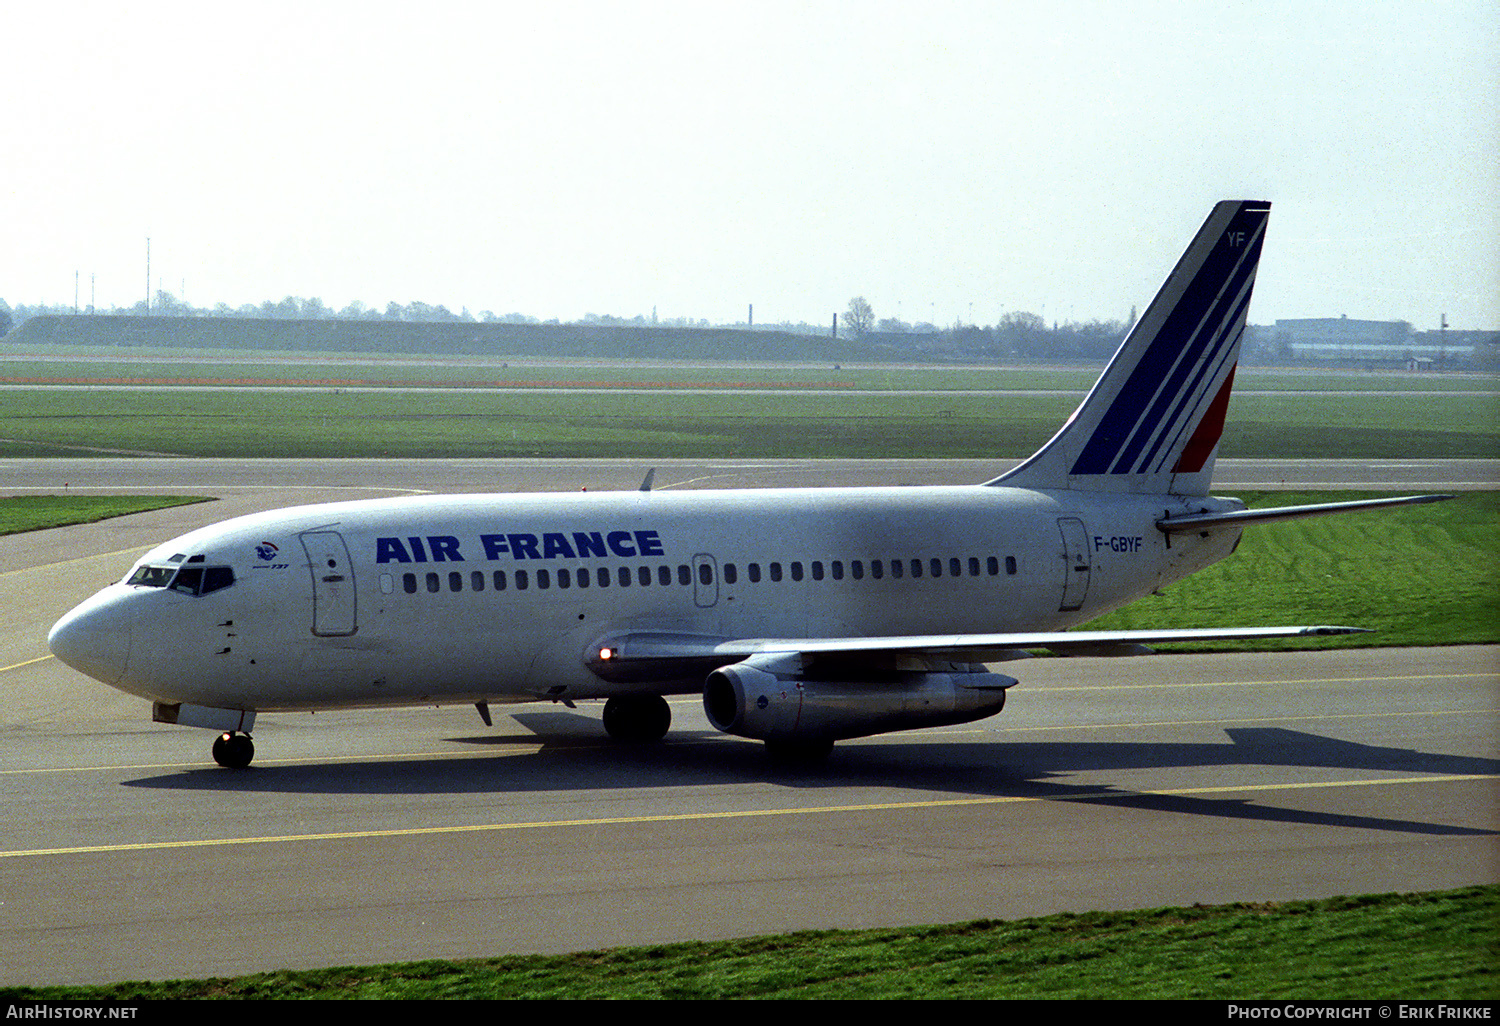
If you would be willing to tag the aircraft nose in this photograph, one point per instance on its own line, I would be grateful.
(94, 638)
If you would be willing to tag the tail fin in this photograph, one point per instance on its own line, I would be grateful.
(1151, 423)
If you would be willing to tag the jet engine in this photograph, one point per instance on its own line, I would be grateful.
(769, 699)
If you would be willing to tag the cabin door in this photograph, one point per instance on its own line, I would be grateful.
(332, 582)
(1075, 563)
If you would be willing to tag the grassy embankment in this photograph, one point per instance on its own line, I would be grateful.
(1437, 946)
(36, 512)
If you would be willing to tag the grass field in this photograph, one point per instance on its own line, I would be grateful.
(609, 425)
(35, 512)
(1438, 946)
(813, 410)
(151, 364)
(1426, 575)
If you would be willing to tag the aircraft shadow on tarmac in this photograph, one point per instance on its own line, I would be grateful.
(574, 756)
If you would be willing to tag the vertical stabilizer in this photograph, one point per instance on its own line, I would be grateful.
(1151, 423)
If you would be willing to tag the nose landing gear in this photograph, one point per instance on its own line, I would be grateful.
(233, 749)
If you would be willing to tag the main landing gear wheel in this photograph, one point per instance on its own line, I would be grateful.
(799, 753)
(233, 750)
(637, 717)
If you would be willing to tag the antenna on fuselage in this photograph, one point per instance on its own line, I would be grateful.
(650, 476)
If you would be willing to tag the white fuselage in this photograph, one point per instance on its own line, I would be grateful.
(504, 597)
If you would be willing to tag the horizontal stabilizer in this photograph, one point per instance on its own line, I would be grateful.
(1241, 517)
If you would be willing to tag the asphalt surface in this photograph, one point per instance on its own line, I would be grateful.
(364, 837)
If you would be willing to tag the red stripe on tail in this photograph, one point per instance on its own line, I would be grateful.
(1210, 428)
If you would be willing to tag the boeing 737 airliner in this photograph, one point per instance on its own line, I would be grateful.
(803, 616)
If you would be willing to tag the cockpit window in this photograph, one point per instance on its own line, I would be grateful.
(152, 576)
(189, 580)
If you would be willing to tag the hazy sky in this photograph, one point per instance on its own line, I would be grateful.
(945, 160)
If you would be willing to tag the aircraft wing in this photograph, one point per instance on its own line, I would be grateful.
(653, 655)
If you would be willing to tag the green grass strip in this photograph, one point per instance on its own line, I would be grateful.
(1423, 575)
(615, 425)
(39, 363)
(38, 512)
(1432, 946)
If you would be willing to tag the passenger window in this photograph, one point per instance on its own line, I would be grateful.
(455, 581)
(937, 567)
(955, 568)
(499, 580)
(543, 579)
(664, 576)
(604, 577)
(916, 568)
(754, 573)
(522, 580)
(705, 573)
(409, 583)
(583, 578)
(565, 578)
(897, 567)
(476, 580)
(796, 570)
(992, 566)
(624, 576)
(877, 569)
(837, 567)
(775, 571)
(644, 576)
(973, 566)
(1010, 565)
(433, 584)
(684, 575)
(731, 575)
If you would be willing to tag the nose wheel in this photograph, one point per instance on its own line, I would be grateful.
(233, 750)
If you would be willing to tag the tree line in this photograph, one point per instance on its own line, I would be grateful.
(1019, 334)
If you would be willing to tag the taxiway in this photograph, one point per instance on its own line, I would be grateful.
(374, 836)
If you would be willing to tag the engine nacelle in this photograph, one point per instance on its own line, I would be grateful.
(766, 698)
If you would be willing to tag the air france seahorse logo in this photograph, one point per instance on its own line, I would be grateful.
(266, 552)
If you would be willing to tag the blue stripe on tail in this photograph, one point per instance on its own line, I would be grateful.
(1184, 357)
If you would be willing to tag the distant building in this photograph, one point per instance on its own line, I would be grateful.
(1345, 342)
(1464, 350)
